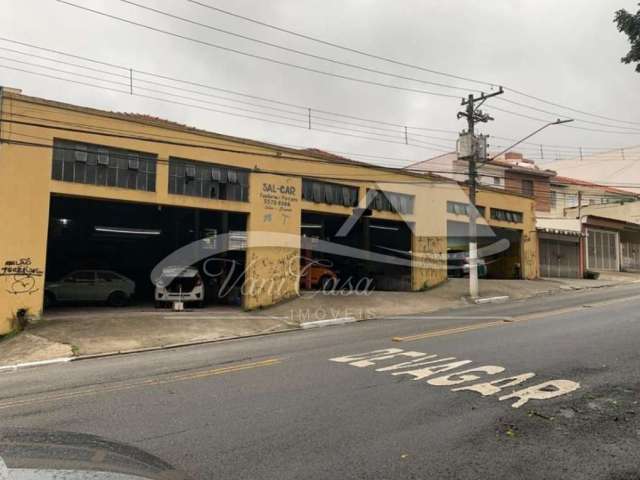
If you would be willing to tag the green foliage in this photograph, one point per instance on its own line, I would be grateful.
(629, 24)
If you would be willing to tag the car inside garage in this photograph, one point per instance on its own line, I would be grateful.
(499, 251)
(101, 251)
(382, 255)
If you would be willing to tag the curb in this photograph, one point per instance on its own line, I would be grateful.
(327, 323)
(500, 299)
(40, 363)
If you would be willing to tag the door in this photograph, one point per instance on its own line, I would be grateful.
(559, 258)
(602, 250)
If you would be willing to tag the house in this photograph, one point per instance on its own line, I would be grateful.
(589, 227)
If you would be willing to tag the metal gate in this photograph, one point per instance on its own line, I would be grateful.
(559, 258)
(603, 250)
(630, 252)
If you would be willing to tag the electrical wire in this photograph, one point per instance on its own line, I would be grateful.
(258, 57)
(401, 63)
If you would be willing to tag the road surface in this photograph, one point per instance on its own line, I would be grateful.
(290, 406)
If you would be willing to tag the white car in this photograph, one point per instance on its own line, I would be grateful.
(83, 286)
(179, 284)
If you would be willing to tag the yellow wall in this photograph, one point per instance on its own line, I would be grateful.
(273, 264)
(25, 189)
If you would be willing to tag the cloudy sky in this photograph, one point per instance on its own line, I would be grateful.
(565, 52)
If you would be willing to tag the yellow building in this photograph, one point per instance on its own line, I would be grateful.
(87, 189)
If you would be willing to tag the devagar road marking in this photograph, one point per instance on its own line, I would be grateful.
(431, 365)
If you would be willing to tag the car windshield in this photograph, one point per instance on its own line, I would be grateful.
(321, 239)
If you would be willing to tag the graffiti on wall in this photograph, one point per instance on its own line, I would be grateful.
(20, 276)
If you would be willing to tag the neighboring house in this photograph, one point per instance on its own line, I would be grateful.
(589, 227)
(615, 167)
(571, 193)
(510, 171)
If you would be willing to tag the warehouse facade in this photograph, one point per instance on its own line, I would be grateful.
(84, 189)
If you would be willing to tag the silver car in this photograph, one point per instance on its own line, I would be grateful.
(90, 286)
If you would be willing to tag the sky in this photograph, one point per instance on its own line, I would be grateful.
(564, 52)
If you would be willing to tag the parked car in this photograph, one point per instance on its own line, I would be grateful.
(316, 273)
(179, 284)
(458, 265)
(85, 286)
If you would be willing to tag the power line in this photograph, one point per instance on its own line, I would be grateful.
(340, 131)
(401, 63)
(291, 50)
(303, 109)
(259, 57)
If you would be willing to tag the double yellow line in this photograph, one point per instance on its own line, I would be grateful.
(448, 331)
(506, 320)
(83, 392)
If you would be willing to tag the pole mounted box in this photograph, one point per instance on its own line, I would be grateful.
(465, 146)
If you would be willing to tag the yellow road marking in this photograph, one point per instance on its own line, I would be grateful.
(141, 383)
(448, 331)
(520, 318)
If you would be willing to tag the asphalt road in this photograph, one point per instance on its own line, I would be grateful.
(278, 407)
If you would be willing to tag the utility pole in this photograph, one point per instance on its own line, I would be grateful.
(473, 115)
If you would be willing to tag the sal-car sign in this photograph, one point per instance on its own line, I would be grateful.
(483, 379)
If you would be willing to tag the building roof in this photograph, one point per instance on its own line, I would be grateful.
(584, 183)
(425, 165)
(305, 153)
(615, 166)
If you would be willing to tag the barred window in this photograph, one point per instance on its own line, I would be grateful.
(80, 162)
(202, 179)
(506, 215)
(459, 208)
(390, 201)
(330, 193)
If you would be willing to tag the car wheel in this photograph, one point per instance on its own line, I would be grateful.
(117, 299)
(49, 299)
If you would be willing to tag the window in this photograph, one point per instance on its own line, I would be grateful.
(107, 276)
(497, 181)
(329, 193)
(553, 199)
(202, 179)
(527, 188)
(506, 215)
(571, 200)
(82, 276)
(105, 166)
(390, 201)
(459, 208)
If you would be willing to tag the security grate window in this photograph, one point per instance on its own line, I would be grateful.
(202, 179)
(506, 215)
(390, 201)
(459, 208)
(329, 193)
(105, 166)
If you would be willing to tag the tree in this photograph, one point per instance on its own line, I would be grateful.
(630, 24)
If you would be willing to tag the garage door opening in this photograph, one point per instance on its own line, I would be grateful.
(372, 238)
(499, 251)
(102, 252)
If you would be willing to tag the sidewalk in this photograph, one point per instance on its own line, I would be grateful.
(94, 330)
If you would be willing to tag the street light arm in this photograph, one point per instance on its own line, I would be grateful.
(557, 122)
